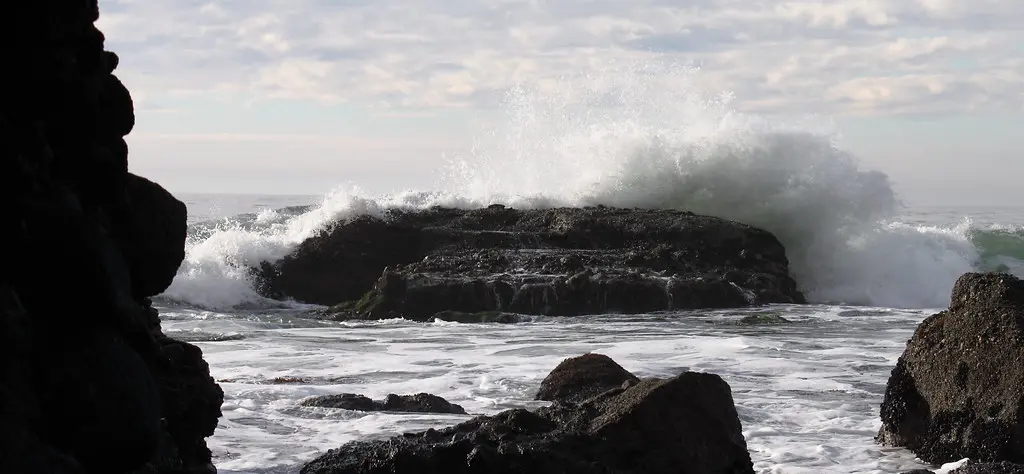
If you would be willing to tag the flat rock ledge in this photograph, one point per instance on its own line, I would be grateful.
(418, 403)
(958, 389)
(486, 264)
(682, 425)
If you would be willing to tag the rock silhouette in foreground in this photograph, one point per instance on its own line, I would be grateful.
(958, 389)
(558, 262)
(682, 425)
(88, 382)
(418, 403)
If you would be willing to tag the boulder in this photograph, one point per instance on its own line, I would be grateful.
(579, 378)
(958, 389)
(89, 383)
(685, 424)
(418, 403)
(559, 262)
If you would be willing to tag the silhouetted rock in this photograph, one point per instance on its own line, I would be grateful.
(958, 389)
(418, 403)
(579, 378)
(682, 425)
(559, 262)
(154, 226)
(88, 382)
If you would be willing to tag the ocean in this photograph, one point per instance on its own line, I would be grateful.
(807, 391)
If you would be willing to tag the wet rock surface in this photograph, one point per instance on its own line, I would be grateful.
(685, 424)
(88, 382)
(579, 378)
(560, 262)
(418, 403)
(958, 389)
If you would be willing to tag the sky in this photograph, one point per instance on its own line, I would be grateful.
(302, 96)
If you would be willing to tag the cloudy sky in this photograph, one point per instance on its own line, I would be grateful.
(298, 96)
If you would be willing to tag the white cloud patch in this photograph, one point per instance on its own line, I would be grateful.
(841, 56)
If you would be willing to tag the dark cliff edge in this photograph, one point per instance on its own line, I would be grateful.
(556, 262)
(88, 382)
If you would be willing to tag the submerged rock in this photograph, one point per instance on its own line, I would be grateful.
(958, 389)
(764, 319)
(418, 403)
(685, 424)
(480, 317)
(558, 262)
(88, 381)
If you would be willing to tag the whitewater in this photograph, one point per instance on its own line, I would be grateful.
(807, 391)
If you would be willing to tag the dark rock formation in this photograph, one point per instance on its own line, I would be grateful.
(88, 382)
(958, 389)
(550, 262)
(418, 403)
(579, 378)
(686, 424)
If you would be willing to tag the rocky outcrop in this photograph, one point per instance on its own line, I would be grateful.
(544, 262)
(88, 382)
(579, 378)
(685, 424)
(418, 403)
(958, 389)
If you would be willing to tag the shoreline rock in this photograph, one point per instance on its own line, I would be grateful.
(557, 262)
(418, 403)
(684, 424)
(958, 389)
(88, 383)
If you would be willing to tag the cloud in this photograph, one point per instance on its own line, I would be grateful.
(842, 57)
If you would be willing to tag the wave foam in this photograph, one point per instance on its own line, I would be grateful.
(646, 137)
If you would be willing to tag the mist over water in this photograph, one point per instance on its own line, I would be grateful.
(644, 135)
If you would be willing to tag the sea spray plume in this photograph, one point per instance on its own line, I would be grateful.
(644, 135)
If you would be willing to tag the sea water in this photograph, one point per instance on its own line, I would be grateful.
(807, 388)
